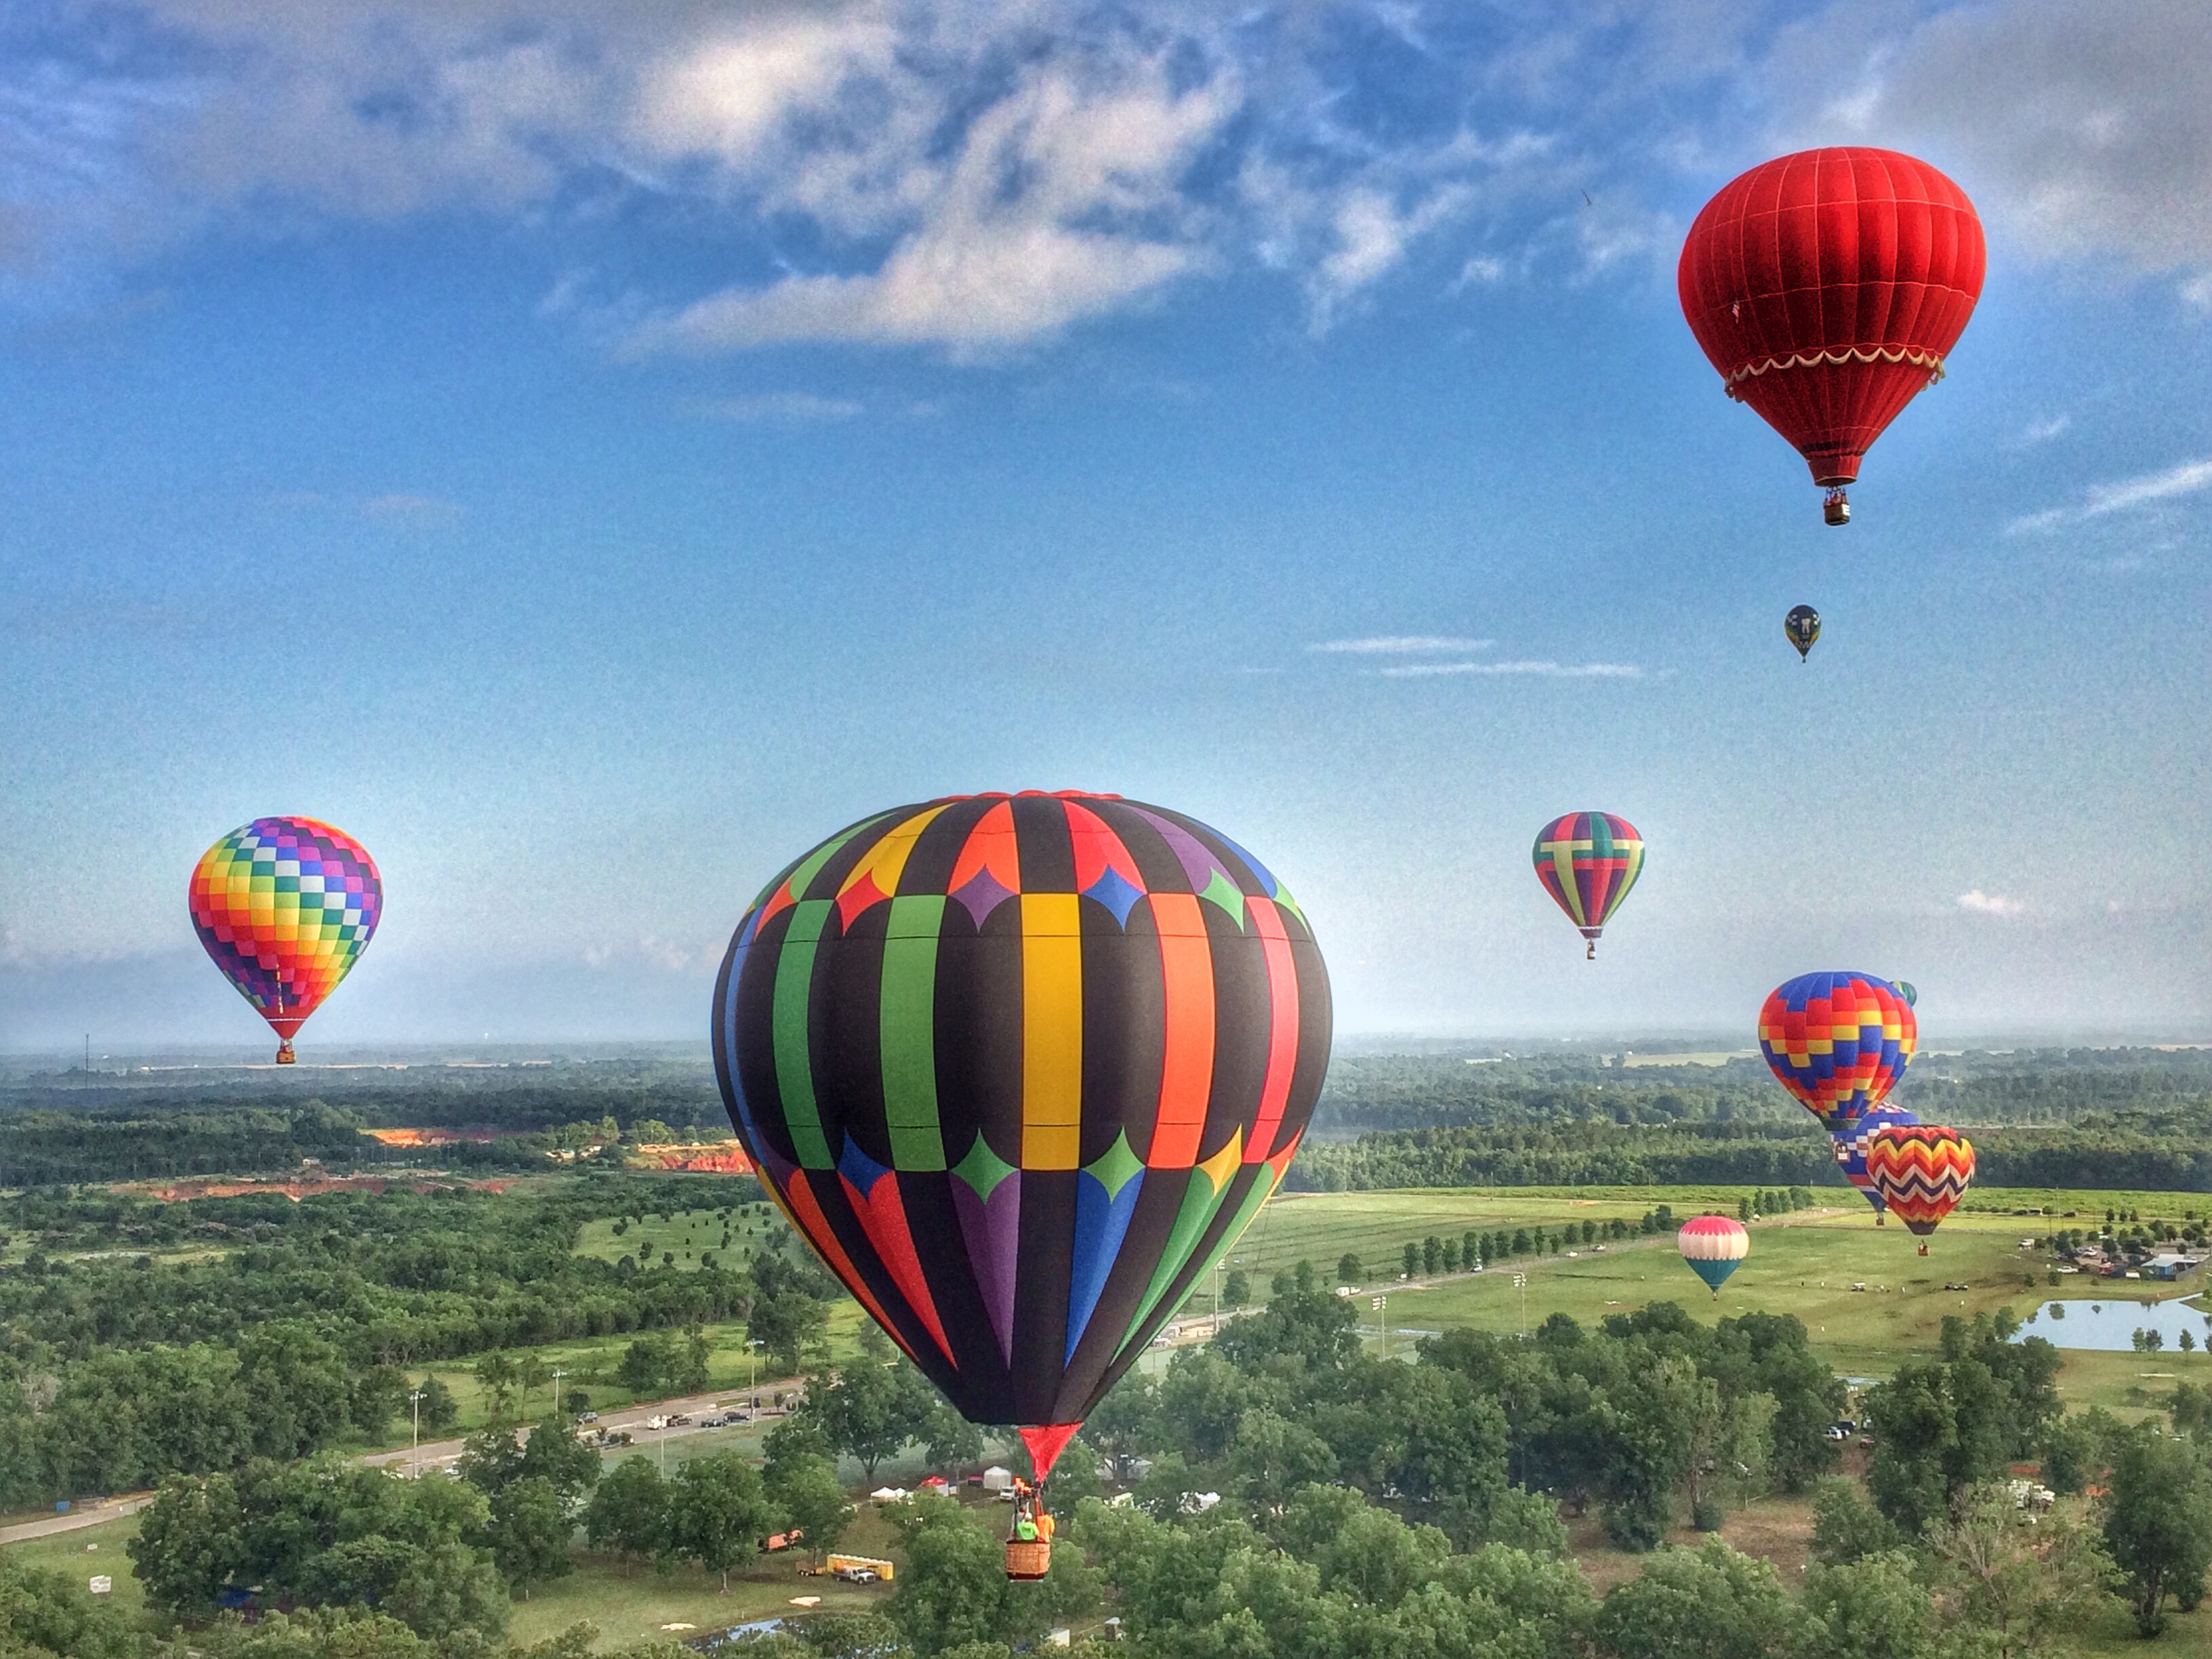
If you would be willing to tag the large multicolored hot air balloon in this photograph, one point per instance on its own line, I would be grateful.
(1922, 1170)
(1827, 288)
(1837, 1042)
(286, 906)
(1715, 1246)
(1803, 625)
(1851, 1149)
(1020, 1069)
(1587, 861)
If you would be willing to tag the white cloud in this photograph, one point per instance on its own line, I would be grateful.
(2043, 431)
(1400, 644)
(1587, 671)
(1991, 904)
(786, 406)
(2187, 479)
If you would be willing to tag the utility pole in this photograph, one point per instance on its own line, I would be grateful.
(415, 1457)
(1382, 1317)
(1520, 1284)
(557, 1375)
(752, 1355)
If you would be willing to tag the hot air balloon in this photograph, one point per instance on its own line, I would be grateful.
(1837, 1042)
(285, 906)
(1715, 1246)
(1908, 991)
(1851, 1149)
(1803, 625)
(1021, 1069)
(1587, 861)
(1827, 288)
(1921, 1170)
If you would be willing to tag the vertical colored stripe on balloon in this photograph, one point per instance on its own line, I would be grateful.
(1282, 1027)
(1186, 1064)
(804, 1211)
(1052, 1030)
(1208, 1181)
(795, 1063)
(907, 1026)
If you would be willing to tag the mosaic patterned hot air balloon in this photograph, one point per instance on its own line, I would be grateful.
(1838, 1042)
(1827, 288)
(1021, 1069)
(1922, 1170)
(1587, 861)
(1851, 1149)
(1803, 625)
(1715, 1246)
(286, 906)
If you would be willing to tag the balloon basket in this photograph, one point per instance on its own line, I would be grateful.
(1836, 509)
(284, 1055)
(1027, 1559)
(1590, 955)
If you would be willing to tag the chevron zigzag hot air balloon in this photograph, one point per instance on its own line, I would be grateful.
(1021, 1069)
(1851, 1149)
(1838, 1042)
(1715, 1246)
(285, 906)
(1922, 1170)
(1587, 861)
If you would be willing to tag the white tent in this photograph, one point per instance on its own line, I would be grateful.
(997, 1480)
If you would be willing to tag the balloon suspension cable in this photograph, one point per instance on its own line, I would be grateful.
(1836, 509)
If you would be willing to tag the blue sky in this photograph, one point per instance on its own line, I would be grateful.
(591, 457)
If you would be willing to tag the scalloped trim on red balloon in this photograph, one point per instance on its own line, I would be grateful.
(1931, 361)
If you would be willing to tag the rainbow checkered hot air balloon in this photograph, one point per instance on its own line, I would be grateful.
(1715, 1246)
(1851, 1149)
(286, 906)
(1922, 1170)
(1587, 861)
(1021, 1069)
(1837, 1042)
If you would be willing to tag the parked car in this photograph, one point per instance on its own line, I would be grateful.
(588, 1417)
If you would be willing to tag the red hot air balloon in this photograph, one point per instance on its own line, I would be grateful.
(1827, 287)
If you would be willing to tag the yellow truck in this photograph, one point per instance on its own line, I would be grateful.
(861, 1568)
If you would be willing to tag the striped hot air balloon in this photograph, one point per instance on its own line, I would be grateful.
(1837, 1042)
(1587, 861)
(1922, 1170)
(1851, 1149)
(1021, 1069)
(1715, 1246)
(285, 906)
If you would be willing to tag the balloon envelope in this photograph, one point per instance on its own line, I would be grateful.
(1715, 1246)
(1838, 1042)
(1922, 1170)
(286, 906)
(1021, 1069)
(1803, 626)
(1851, 1148)
(1587, 861)
(1827, 287)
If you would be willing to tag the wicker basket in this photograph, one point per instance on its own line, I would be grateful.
(1028, 1557)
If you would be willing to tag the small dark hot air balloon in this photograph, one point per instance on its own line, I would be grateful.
(1587, 861)
(1837, 1042)
(286, 906)
(1021, 1069)
(1803, 625)
(1827, 288)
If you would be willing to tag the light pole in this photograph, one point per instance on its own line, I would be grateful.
(557, 1375)
(1382, 1318)
(415, 1457)
(1520, 1284)
(752, 1355)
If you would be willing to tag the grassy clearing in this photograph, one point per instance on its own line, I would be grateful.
(90, 1549)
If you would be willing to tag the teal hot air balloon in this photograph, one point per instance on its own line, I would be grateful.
(1715, 1246)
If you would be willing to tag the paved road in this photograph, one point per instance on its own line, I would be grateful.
(433, 1453)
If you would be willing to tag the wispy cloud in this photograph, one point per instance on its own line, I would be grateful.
(2042, 431)
(792, 407)
(1386, 645)
(1558, 671)
(1991, 904)
(2185, 479)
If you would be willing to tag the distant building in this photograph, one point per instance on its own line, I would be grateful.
(2171, 1264)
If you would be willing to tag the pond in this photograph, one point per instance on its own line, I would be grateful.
(2110, 1327)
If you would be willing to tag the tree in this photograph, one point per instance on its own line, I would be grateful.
(1432, 1254)
(874, 1411)
(2158, 1522)
(627, 1513)
(1235, 1289)
(646, 1363)
(1413, 1260)
(691, 1376)
(1270, 1457)
(495, 1375)
(2018, 1583)
(784, 1320)
(44, 1612)
(1708, 1603)
(529, 1533)
(1875, 1608)
(950, 1441)
(806, 1492)
(716, 1510)
(1349, 1270)
(1846, 1527)
(439, 1409)
(953, 1588)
